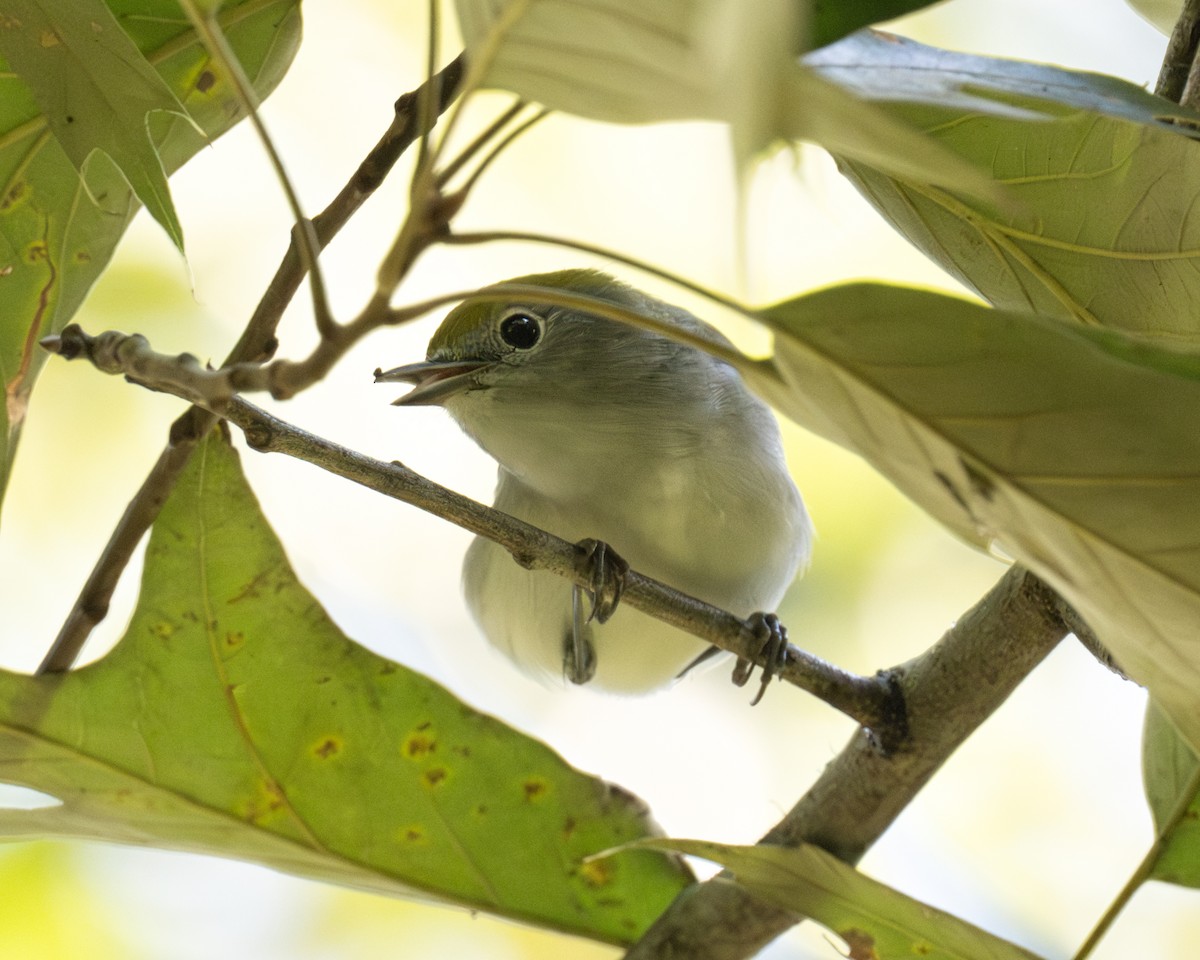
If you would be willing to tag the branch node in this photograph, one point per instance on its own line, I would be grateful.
(892, 731)
(259, 437)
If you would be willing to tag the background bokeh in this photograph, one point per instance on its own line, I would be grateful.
(1029, 831)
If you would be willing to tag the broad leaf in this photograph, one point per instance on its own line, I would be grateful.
(873, 919)
(234, 718)
(1075, 453)
(95, 90)
(1161, 13)
(1099, 229)
(628, 61)
(58, 233)
(1172, 776)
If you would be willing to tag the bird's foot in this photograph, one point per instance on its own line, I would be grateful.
(605, 571)
(772, 638)
(579, 653)
(700, 659)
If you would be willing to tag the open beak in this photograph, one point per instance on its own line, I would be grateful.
(432, 380)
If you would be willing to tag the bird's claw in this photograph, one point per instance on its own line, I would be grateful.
(579, 654)
(772, 638)
(605, 571)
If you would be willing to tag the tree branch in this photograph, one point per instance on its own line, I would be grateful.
(256, 344)
(874, 702)
(949, 690)
(1176, 80)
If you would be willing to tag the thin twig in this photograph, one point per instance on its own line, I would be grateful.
(207, 27)
(872, 701)
(256, 344)
(949, 691)
(498, 148)
(1145, 869)
(478, 143)
(523, 236)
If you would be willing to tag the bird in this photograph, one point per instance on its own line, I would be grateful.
(640, 447)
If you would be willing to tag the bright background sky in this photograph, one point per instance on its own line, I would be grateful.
(1029, 831)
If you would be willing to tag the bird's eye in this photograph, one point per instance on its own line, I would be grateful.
(520, 330)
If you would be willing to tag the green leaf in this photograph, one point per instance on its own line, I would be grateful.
(234, 718)
(95, 90)
(1080, 460)
(872, 918)
(1161, 13)
(834, 19)
(56, 233)
(630, 62)
(1171, 773)
(724, 60)
(1099, 229)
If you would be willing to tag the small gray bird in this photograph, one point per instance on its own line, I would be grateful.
(606, 431)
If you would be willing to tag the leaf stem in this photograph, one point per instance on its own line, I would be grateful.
(208, 27)
(492, 236)
(1144, 869)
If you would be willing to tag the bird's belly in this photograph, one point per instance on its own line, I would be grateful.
(527, 615)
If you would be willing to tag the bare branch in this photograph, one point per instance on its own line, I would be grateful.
(949, 691)
(873, 701)
(1178, 61)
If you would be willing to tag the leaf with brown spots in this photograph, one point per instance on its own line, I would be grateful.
(58, 228)
(300, 749)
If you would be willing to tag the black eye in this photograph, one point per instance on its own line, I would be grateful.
(520, 330)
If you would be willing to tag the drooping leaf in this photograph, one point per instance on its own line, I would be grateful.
(1102, 186)
(1161, 13)
(56, 232)
(1171, 773)
(95, 91)
(627, 61)
(234, 718)
(874, 920)
(1076, 457)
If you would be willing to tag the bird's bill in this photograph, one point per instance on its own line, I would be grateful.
(432, 380)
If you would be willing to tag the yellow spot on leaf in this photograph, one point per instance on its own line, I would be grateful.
(16, 193)
(435, 776)
(419, 745)
(163, 630)
(860, 944)
(597, 873)
(264, 805)
(49, 38)
(414, 834)
(234, 639)
(535, 788)
(328, 747)
(37, 251)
